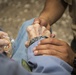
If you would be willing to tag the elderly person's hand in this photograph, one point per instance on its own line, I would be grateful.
(55, 47)
(5, 44)
(36, 30)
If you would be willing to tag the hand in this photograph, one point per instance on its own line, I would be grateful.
(42, 22)
(5, 44)
(55, 47)
(36, 30)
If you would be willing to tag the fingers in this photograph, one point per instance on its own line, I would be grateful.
(36, 21)
(52, 53)
(31, 32)
(50, 47)
(27, 43)
(4, 39)
(37, 29)
(52, 35)
(47, 47)
(46, 33)
(41, 21)
(3, 42)
(45, 52)
(3, 34)
(1, 49)
(41, 30)
(53, 41)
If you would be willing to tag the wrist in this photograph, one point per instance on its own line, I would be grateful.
(36, 39)
(44, 18)
(45, 21)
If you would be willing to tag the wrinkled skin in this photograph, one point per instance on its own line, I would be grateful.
(50, 46)
(36, 30)
(5, 43)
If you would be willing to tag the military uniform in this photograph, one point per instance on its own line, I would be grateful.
(72, 10)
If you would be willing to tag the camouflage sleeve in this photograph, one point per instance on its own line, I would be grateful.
(68, 1)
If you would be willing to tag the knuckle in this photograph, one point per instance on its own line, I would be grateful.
(48, 46)
(48, 32)
(53, 52)
(6, 33)
(43, 27)
(40, 52)
(36, 25)
(65, 49)
(65, 44)
(29, 28)
(41, 41)
(36, 48)
(66, 55)
(51, 39)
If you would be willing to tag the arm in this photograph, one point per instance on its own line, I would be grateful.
(52, 11)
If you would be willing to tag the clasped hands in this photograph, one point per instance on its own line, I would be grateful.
(5, 44)
(49, 46)
(36, 30)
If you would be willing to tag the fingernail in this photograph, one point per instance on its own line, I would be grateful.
(34, 48)
(36, 22)
(35, 52)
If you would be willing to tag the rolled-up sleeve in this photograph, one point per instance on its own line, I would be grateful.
(47, 64)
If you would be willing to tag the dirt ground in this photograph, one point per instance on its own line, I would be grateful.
(14, 12)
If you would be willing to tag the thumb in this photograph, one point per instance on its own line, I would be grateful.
(36, 21)
(27, 43)
(40, 21)
(52, 35)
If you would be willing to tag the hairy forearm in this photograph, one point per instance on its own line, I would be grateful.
(53, 10)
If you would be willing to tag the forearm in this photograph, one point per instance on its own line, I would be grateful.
(53, 10)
